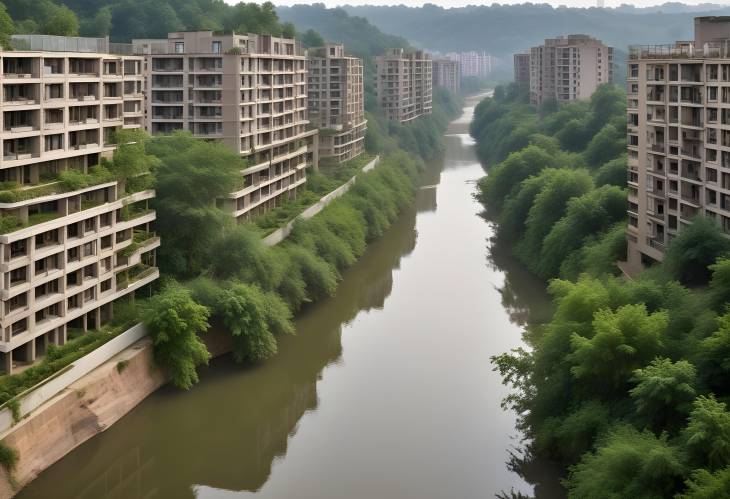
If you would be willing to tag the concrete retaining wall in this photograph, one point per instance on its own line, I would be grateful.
(36, 396)
(280, 234)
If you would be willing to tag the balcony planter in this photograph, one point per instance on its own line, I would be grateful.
(18, 129)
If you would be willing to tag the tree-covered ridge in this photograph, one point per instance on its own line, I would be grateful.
(506, 29)
(626, 384)
(123, 20)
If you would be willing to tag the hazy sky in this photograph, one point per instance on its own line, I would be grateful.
(461, 3)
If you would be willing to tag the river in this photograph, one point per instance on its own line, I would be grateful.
(386, 391)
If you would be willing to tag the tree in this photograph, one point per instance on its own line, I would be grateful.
(613, 172)
(311, 38)
(627, 463)
(100, 25)
(60, 20)
(707, 436)
(606, 145)
(174, 321)
(241, 254)
(622, 341)
(720, 283)
(587, 215)
(190, 176)
(7, 27)
(664, 392)
(691, 253)
(714, 356)
(706, 485)
(549, 206)
(288, 30)
(252, 316)
(130, 160)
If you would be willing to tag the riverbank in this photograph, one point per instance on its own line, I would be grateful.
(354, 396)
(623, 386)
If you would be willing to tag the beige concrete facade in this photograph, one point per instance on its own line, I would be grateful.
(472, 63)
(568, 68)
(247, 91)
(61, 251)
(522, 70)
(336, 101)
(447, 74)
(678, 137)
(404, 84)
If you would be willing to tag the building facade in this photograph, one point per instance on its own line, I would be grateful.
(336, 102)
(472, 63)
(67, 254)
(404, 84)
(568, 68)
(678, 138)
(247, 91)
(522, 70)
(447, 74)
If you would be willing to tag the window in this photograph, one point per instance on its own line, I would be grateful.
(106, 285)
(179, 47)
(216, 47)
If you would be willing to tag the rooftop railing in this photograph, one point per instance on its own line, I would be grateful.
(681, 50)
(51, 43)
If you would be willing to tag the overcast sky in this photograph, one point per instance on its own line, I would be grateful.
(461, 3)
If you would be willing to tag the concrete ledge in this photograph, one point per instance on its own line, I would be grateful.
(36, 396)
(280, 234)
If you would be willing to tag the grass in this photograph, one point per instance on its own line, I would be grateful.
(329, 178)
(57, 357)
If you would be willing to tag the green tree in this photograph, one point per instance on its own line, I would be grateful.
(691, 253)
(664, 392)
(191, 175)
(707, 436)
(174, 321)
(613, 172)
(311, 38)
(606, 145)
(241, 254)
(706, 485)
(7, 27)
(60, 20)
(622, 341)
(131, 162)
(628, 464)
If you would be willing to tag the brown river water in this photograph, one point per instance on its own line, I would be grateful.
(386, 391)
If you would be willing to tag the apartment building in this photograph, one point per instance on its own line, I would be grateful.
(568, 68)
(522, 70)
(678, 137)
(447, 74)
(247, 91)
(472, 63)
(66, 254)
(404, 84)
(336, 102)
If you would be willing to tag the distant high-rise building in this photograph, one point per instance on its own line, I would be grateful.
(522, 70)
(447, 74)
(336, 101)
(472, 63)
(403, 82)
(247, 91)
(568, 68)
(678, 142)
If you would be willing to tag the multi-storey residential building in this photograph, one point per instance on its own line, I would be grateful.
(678, 138)
(446, 74)
(472, 63)
(66, 253)
(336, 102)
(568, 68)
(247, 91)
(522, 70)
(404, 85)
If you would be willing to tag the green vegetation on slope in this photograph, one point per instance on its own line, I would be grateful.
(625, 385)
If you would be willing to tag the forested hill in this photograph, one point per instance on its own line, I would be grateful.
(504, 29)
(360, 37)
(123, 20)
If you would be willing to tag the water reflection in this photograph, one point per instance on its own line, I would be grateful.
(386, 391)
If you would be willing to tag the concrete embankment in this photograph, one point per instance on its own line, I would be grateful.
(84, 409)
